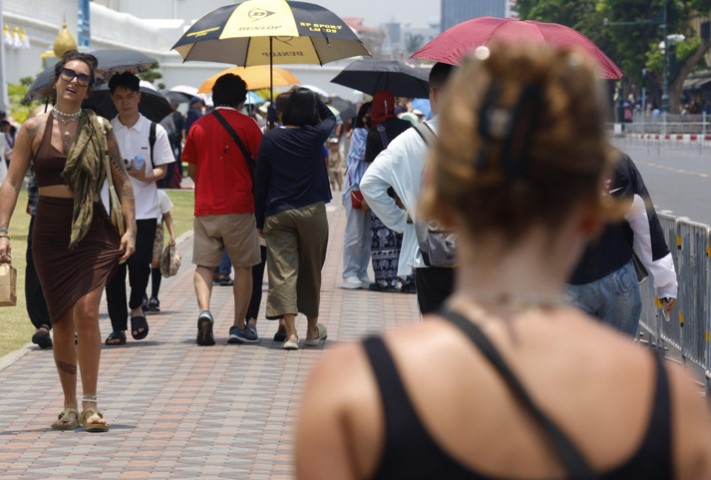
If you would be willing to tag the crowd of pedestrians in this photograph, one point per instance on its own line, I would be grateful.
(500, 181)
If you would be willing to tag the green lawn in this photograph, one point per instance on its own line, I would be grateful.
(15, 326)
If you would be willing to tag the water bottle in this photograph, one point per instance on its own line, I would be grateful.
(138, 162)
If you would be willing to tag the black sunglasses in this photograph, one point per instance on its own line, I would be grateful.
(68, 75)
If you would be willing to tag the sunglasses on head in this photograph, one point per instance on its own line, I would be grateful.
(68, 75)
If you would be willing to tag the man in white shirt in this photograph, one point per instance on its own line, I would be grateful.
(146, 165)
(400, 166)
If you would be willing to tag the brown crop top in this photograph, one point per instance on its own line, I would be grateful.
(48, 161)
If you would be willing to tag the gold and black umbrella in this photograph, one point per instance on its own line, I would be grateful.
(265, 32)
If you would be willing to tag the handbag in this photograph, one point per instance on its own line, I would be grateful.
(8, 285)
(115, 211)
(169, 261)
(357, 200)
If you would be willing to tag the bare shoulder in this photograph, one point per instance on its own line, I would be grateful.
(691, 425)
(329, 371)
(35, 125)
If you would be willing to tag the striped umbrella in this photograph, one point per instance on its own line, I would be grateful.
(265, 32)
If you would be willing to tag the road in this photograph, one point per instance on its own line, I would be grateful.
(678, 178)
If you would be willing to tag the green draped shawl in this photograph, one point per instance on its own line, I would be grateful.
(85, 171)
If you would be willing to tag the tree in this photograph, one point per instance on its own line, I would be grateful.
(151, 75)
(629, 32)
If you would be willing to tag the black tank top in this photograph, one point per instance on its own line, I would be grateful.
(410, 453)
(48, 162)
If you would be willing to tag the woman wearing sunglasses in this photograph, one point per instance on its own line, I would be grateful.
(75, 245)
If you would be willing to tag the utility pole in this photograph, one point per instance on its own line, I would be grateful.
(665, 78)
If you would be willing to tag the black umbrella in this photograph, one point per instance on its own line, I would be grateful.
(370, 76)
(153, 104)
(345, 107)
(176, 98)
(110, 62)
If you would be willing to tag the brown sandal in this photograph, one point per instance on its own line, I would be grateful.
(67, 420)
(93, 427)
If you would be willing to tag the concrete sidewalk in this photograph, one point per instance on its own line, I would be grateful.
(182, 411)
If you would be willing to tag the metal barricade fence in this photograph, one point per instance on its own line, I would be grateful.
(687, 329)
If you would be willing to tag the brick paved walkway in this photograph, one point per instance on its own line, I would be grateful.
(178, 410)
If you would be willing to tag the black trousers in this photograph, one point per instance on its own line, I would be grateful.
(34, 297)
(434, 286)
(257, 279)
(139, 271)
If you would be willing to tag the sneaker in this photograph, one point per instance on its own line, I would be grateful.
(366, 282)
(242, 335)
(252, 328)
(154, 305)
(352, 283)
(225, 280)
(205, 336)
(144, 304)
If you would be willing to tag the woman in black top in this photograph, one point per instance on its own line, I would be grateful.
(291, 189)
(509, 381)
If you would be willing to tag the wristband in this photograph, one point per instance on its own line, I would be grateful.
(3, 230)
(4, 236)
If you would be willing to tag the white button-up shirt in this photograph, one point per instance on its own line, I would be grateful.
(133, 141)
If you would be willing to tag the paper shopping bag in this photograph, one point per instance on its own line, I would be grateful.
(8, 285)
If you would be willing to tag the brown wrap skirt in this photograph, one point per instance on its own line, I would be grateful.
(67, 275)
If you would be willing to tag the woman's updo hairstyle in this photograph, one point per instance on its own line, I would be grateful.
(521, 141)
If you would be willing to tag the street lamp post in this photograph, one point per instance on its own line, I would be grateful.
(665, 77)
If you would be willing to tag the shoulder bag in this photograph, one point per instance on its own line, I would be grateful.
(115, 211)
(247, 156)
(437, 246)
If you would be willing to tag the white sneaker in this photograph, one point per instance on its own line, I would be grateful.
(366, 282)
(352, 283)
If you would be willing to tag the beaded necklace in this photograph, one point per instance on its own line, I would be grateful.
(65, 118)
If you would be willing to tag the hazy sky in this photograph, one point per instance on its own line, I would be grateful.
(375, 12)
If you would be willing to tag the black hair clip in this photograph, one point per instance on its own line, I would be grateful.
(501, 124)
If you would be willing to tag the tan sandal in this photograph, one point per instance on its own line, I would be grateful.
(93, 427)
(67, 420)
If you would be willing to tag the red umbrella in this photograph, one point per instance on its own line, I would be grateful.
(454, 43)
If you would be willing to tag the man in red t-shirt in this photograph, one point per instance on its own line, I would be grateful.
(224, 204)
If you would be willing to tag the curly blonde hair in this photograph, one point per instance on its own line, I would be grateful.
(521, 141)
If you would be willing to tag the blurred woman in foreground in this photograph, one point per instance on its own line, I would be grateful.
(509, 381)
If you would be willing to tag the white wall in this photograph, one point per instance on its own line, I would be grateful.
(42, 21)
